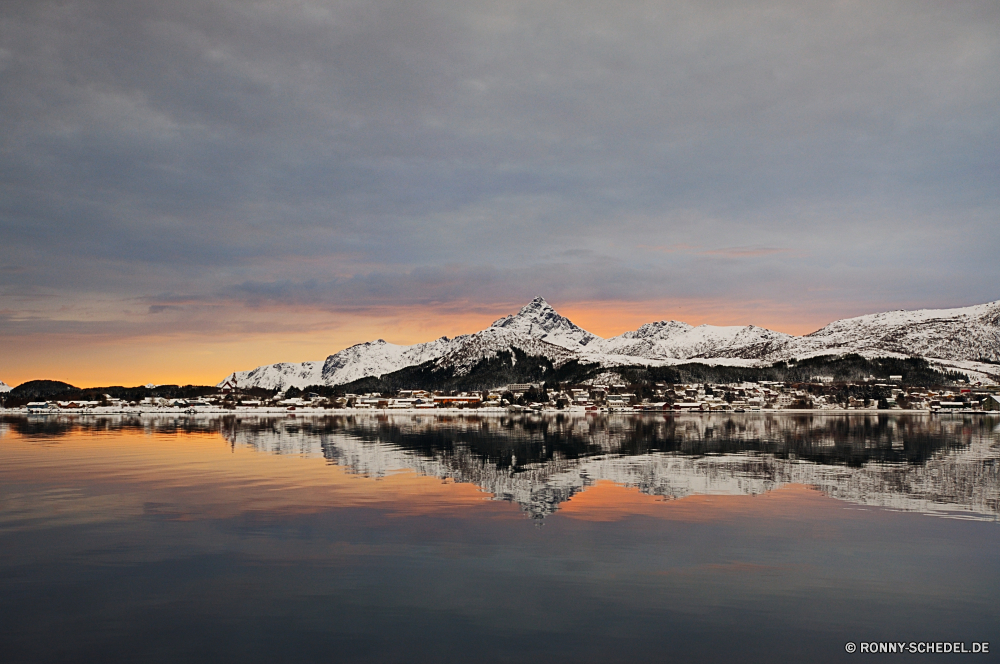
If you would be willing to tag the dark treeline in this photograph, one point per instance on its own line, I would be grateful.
(515, 366)
(518, 367)
(843, 369)
(40, 390)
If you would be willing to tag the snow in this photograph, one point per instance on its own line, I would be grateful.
(538, 320)
(966, 338)
(376, 358)
(4, 387)
(967, 333)
(279, 376)
(676, 340)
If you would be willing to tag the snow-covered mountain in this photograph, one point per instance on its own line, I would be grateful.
(536, 330)
(279, 376)
(967, 335)
(538, 320)
(676, 340)
(375, 358)
(4, 387)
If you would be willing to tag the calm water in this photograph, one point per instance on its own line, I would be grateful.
(495, 539)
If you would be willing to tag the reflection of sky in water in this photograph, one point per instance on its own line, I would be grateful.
(160, 542)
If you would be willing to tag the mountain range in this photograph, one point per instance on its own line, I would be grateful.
(965, 339)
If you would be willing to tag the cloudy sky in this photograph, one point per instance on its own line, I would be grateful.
(194, 187)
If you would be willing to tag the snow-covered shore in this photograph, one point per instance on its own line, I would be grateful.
(468, 412)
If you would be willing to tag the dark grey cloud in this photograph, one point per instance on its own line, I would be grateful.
(337, 152)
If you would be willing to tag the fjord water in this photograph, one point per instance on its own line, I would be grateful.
(423, 538)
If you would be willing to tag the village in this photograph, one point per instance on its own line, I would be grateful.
(821, 394)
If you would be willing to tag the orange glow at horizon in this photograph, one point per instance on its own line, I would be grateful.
(206, 358)
(609, 319)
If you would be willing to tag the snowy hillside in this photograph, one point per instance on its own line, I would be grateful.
(470, 349)
(375, 358)
(536, 330)
(968, 333)
(964, 337)
(279, 376)
(372, 358)
(538, 320)
(676, 340)
(4, 387)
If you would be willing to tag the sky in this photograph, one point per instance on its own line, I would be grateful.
(192, 188)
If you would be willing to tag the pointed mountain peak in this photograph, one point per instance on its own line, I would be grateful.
(536, 306)
(535, 312)
(539, 320)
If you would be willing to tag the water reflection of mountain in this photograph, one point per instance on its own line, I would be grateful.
(910, 462)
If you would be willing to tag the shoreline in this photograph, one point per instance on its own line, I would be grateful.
(312, 412)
